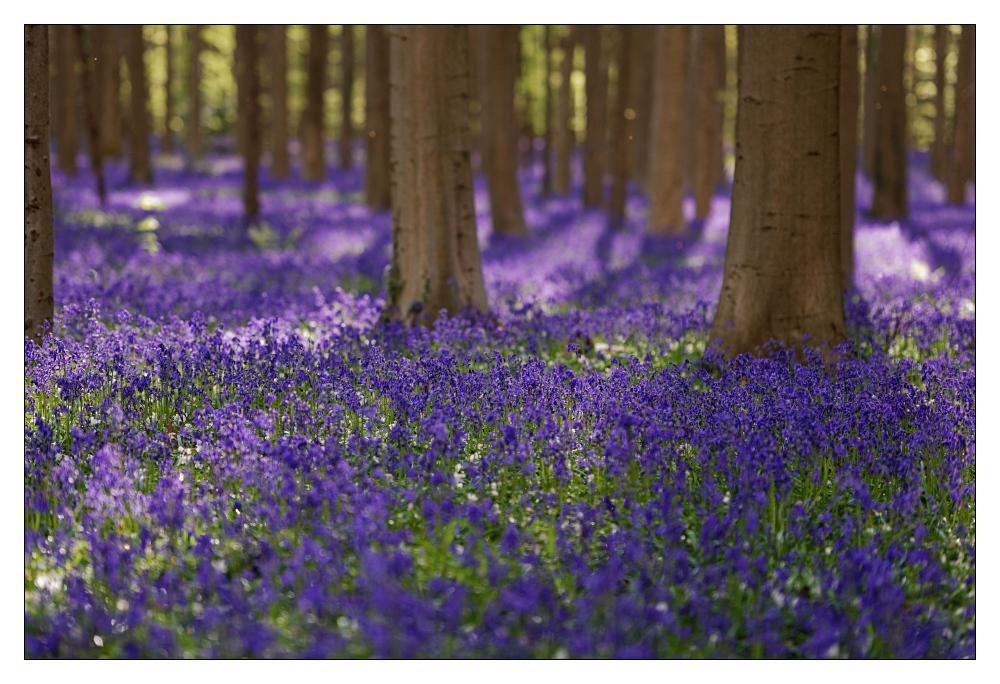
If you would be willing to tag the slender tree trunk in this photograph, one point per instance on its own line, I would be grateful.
(563, 136)
(965, 93)
(90, 110)
(708, 145)
(782, 277)
(239, 60)
(939, 160)
(168, 88)
(666, 184)
(377, 187)
(105, 48)
(38, 219)
(313, 166)
(889, 200)
(248, 84)
(499, 129)
(622, 126)
(68, 137)
(435, 260)
(848, 148)
(722, 68)
(872, 90)
(346, 87)
(596, 144)
(279, 101)
(692, 60)
(194, 138)
(141, 170)
(547, 161)
(909, 81)
(642, 86)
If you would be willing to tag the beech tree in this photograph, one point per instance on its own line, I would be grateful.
(377, 188)
(870, 100)
(666, 183)
(848, 148)
(497, 50)
(193, 124)
(90, 111)
(107, 85)
(278, 50)
(167, 143)
(562, 135)
(66, 97)
(313, 166)
(939, 161)
(642, 86)
(622, 128)
(248, 110)
(38, 218)
(963, 153)
(346, 87)
(435, 256)
(547, 161)
(595, 145)
(782, 277)
(708, 122)
(889, 161)
(141, 170)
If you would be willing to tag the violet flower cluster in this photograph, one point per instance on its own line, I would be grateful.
(227, 453)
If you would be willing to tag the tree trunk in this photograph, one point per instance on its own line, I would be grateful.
(645, 39)
(38, 219)
(547, 161)
(889, 200)
(563, 137)
(168, 88)
(939, 159)
(239, 60)
(435, 258)
(141, 170)
(722, 68)
(346, 87)
(708, 145)
(194, 139)
(782, 277)
(692, 61)
(872, 84)
(68, 136)
(106, 78)
(279, 101)
(499, 128)
(248, 94)
(313, 166)
(848, 148)
(90, 112)
(666, 184)
(622, 126)
(596, 145)
(965, 93)
(377, 117)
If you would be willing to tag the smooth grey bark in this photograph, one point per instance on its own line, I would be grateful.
(563, 137)
(279, 100)
(346, 88)
(435, 259)
(889, 161)
(377, 187)
(963, 153)
(313, 166)
(38, 218)
(141, 170)
(595, 146)
(666, 183)
(848, 148)
(782, 278)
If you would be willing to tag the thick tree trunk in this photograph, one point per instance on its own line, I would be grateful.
(645, 39)
(279, 101)
(313, 166)
(38, 219)
(622, 126)
(939, 152)
(90, 112)
(193, 124)
(105, 48)
(596, 145)
(965, 103)
(848, 148)
(666, 184)
(141, 170)
(871, 96)
(167, 145)
(499, 128)
(67, 135)
(346, 87)
(377, 117)
(782, 276)
(708, 144)
(547, 161)
(248, 84)
(435, 259)
(889, 179)
(563, 136)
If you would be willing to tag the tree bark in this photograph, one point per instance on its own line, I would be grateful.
(721, 62)
(313, 166)
(563, 137)
(782, 277)
(346, 87)
(622, 126)
(38, 218)
(547, 161)
(377, 187)
(90, 112)
(279, 101)
(889, 200)
(872, 84)
(666, 184)
(239, 60)
(692, 60)
(435, 259)
(848, 148)
(248, 94)
(194, 138)
(708, 145)
(106, 79)
(500, 137)
(939, 159)
(645, 39)
(68, 136)
(596, 144)
(965, 103)
(168, 87)
(141, 170)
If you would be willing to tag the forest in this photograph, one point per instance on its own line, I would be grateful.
(499, 341)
